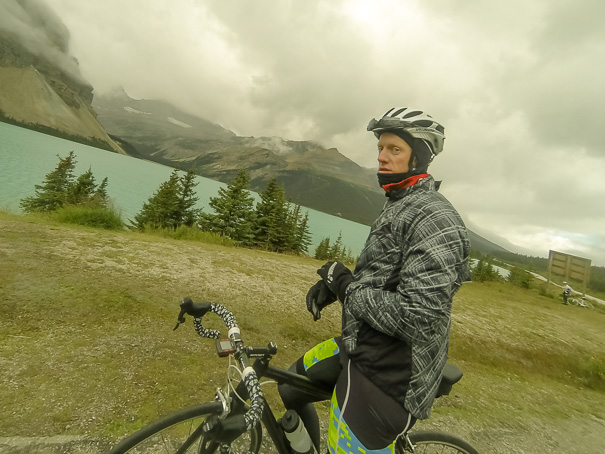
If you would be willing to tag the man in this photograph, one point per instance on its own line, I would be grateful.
(566, 292)
(386, 366)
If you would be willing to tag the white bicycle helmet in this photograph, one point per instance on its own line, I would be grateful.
(413, 122)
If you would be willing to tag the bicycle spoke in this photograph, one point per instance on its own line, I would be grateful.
(435, 449)
(430, 442)
(183, 437)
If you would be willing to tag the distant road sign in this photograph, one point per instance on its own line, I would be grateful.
(569, 266)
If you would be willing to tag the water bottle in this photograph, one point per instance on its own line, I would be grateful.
(297, 435)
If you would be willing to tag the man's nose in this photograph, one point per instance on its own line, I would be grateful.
(382, 156)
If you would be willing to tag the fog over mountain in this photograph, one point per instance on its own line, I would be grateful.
(40, 82)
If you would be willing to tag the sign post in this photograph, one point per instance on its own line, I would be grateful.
(570, 267)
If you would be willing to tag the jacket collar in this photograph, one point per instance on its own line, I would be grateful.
(397, 189)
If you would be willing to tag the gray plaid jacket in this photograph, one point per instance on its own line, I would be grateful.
(414, 261)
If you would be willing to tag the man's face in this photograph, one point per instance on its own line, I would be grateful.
(393, 154)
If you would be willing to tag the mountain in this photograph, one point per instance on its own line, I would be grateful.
(41, 88)
(40, 83)
(484, 245)
(312, 176)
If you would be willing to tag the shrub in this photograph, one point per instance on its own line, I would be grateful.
(519, 277)
(483, 271)
(92, 216)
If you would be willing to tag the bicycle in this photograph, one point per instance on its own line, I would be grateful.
(580, 301)
(232, 422)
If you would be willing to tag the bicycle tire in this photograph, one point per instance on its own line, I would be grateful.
(176, 433)
(430, 442)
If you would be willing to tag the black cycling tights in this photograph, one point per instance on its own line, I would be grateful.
(374, 418)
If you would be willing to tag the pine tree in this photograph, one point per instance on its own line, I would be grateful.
(484, 271)
(321, 251)
(303, 236)
(336, 250)
(290, 229)
(271, 228)
(162, 210)
(54, 192)
(188, 199)
(519, 277)
(83, 190)
(101, 198)
(233, 211)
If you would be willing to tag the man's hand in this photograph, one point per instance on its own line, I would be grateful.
(337, 277)
(318, 297)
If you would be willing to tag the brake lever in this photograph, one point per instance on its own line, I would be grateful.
(180, 320)
(196, 310)
(186, 303)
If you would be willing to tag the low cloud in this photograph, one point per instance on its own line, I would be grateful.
(34, 25)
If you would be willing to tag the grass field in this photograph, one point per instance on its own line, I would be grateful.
(87, 349)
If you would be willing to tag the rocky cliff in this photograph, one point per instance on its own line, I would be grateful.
(40, 83)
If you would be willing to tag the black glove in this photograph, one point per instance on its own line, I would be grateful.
(337, 277)
(318, 297)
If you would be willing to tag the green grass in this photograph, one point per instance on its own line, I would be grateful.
(87, 347)
(192, 234)
(92, 216)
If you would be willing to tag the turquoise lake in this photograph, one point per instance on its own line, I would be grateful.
(27, 156)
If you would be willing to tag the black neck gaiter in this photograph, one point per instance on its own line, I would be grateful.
(390, 178)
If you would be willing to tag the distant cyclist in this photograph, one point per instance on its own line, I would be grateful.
(386, 366)
(566, 292)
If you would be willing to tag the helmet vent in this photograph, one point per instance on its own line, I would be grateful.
(412, 114)
(424, 123)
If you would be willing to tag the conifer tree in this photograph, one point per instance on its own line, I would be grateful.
(60, 189)
(54, 192)
(101, 197)
(83, 190)
(336, 250)
(233, 211)
(519, 277)
(484, 271)
(290, 228)
(162, 209)
(188, 199)
(302, 234)
(321, 251)
(271, 228)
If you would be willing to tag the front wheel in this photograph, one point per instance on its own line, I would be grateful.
(180, 432)
(429, 442)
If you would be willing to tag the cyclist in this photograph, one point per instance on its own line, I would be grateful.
(566, 292)
(386, 365)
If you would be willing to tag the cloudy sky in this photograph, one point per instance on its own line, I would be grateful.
(519, 86)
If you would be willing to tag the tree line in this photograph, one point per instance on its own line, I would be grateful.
(273, 223)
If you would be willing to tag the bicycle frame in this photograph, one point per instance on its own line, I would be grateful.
(281, 376)
(242, 407)
(246, 417)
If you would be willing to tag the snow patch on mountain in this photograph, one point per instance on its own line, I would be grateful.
(135, 111)
(178, 123)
